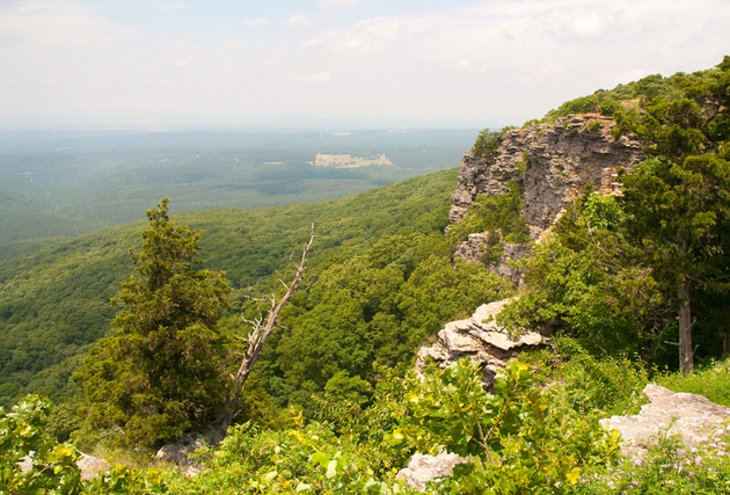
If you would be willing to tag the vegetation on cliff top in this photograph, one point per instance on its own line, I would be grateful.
(626, 272)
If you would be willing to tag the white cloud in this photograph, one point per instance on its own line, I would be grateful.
(256, 21)
(377, 35)
(156, 5)
(301, 20)
(165, 5)
(469, 66)
(38, 23)
(511, 61)
(494, 62)
(587, 24)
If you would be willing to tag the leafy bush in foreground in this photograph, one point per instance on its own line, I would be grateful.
(303, 459)
(517, 440)
(23, 437)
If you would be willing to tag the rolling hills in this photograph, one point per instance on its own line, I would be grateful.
(54, 300)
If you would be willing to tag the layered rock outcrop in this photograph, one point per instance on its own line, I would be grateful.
(552, 163)
(480, 339)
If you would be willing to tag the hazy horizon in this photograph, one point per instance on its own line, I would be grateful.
(329, 64)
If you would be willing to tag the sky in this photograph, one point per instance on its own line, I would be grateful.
(334, 63)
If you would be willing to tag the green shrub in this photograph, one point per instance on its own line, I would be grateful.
(304, 459)
(502, 212)
(524, 164)
(121, 480)
(603, 102)
(518, 440)
(585, 280)
(487, 142)
(494, 249)
(588, 384)
(594, 126)
(23, 435)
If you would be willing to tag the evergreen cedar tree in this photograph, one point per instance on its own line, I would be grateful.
(160, 372)
(678, 201)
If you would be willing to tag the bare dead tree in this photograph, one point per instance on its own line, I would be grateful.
(260, 331)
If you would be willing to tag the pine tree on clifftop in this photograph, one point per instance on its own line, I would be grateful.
(158, 374)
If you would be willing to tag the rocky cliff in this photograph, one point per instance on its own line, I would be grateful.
(551, 162)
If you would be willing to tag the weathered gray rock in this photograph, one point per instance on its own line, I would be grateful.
(89, 465)
(478, 244)
(425, 468)
(552, 162)
(178, 453)
(693, 417)
(480, 339)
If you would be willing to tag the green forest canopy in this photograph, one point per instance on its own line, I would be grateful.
(55, 300)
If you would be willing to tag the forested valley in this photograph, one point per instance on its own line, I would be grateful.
(628, 288)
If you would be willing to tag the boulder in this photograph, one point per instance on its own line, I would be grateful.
(425, 467)
(692, 417)
(89, 465)
(178, 454)
(480, 339)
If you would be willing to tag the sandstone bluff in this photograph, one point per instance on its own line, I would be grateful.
(552, 163)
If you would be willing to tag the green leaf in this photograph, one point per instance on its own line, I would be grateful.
(319, 458)
(573, 475)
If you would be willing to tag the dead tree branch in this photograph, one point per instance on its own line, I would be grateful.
(260, 331)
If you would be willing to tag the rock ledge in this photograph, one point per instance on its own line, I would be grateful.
(479, 338)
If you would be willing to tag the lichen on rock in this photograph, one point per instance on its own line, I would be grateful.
(692, 417)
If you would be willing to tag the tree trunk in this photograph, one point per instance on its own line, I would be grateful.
(256, 340)
(686, 351)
